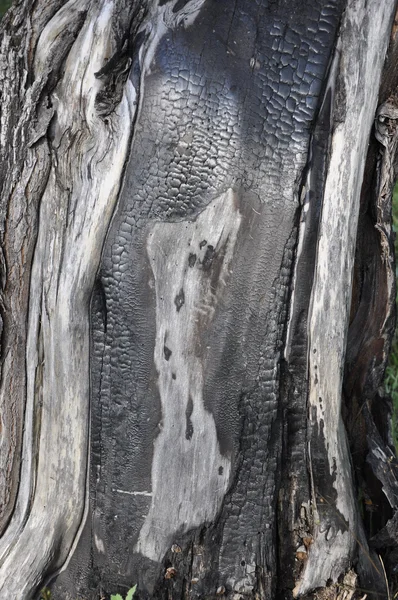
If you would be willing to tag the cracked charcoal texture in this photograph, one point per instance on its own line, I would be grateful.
(228, 103)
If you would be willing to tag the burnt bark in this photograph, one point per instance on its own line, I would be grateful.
(197, 298)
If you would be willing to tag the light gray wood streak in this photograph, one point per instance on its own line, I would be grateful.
(359, 69)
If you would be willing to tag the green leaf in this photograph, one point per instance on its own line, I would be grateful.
(116, 597)
(4, 5)
(131, 593)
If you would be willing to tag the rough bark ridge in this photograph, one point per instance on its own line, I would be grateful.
(179, 217)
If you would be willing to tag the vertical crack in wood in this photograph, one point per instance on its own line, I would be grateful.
(295, 522)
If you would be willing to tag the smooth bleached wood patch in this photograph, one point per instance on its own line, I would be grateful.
(190, 263)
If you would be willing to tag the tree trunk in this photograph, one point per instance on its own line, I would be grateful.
(197, 298)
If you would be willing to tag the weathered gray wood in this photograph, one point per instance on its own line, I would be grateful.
(356, 70)
(77, 196)
(180, 194)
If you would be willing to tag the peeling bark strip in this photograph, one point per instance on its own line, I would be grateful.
(76, 204)
(23, 172)
(179, 212)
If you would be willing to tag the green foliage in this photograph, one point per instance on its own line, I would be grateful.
(391, 379)
(45, 594)
(4, 5)
(131, 593)
(391, 383)
(129, 596)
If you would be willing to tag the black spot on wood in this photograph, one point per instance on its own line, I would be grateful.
(188, 415)
(208, 258)
(192, 260)
(173, 376)
(180, 4)
(167, 352)
(179, 300)
(98, 303)
(202, 244)
(220, 470)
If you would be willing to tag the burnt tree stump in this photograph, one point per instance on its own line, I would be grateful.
(197, 298)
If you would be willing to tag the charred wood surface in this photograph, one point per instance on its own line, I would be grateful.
(182, 183)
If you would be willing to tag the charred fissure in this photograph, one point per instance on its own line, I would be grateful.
(295, 519)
